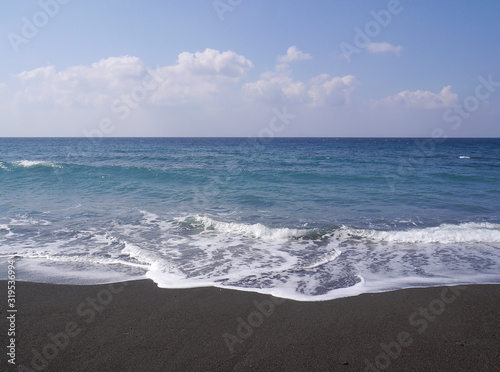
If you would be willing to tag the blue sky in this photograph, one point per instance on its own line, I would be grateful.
(250, 68)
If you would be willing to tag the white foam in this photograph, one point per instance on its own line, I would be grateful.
(199, 251)
(150, 217)
(23, 221)
(464, 157)
(291, 293)
(154, 219)
(444, 234)
(175, 281)
(140, 255)
(34, 163)
(328, 257)
(40, 270)
(4, 227)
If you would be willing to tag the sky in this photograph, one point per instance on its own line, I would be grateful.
(258, 68)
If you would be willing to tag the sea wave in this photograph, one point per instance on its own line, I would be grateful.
(471, 232)
(257, 230)
(302, 264)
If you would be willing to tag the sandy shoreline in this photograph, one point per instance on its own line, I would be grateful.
(136, 326)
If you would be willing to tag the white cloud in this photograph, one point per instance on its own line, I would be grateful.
(195, 76)
(275, 86)
(293, 54)
(322, 90)
(384, 48)
(79, 86)
(200, 75)
(279, 87)
(202, 93)
(419, 99)
(331, 91)
(227, 64)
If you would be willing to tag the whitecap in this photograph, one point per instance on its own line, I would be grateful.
(471, 232)
(35, 163)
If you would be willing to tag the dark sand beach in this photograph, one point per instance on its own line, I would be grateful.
(136, 326)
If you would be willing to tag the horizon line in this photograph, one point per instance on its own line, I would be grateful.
(241, 137)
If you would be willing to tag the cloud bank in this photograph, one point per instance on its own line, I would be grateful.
(195, 77)
(209, 87)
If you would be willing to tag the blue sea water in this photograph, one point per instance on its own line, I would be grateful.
(301, 218)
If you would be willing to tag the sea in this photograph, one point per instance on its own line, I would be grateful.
(307, 219)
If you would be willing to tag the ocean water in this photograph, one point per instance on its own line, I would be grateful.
(301, 218)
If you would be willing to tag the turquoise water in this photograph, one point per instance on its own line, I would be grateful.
(308, 219)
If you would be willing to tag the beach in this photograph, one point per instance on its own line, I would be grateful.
(250, 186)
(136, 326)
(364, 260)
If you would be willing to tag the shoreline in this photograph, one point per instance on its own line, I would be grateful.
(136, 326)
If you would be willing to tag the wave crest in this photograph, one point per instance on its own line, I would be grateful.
(257, 230)
(471, 232)
(35, 163)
